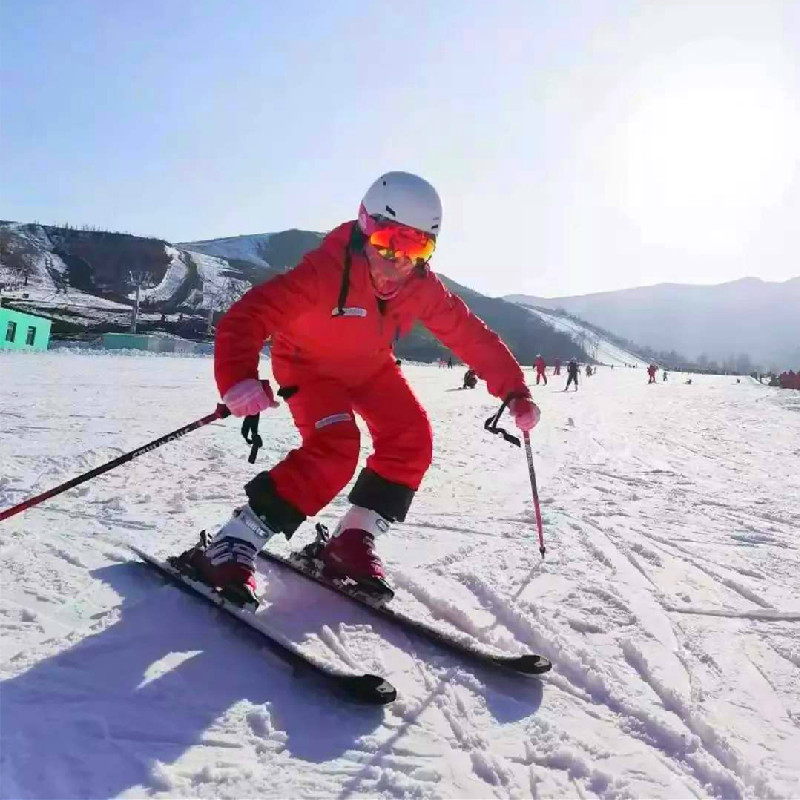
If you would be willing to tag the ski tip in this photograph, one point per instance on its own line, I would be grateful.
(530, 664)
(368, 689)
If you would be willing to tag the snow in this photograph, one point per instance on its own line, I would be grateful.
(605, 351)
(174, 276)
(246, 248)
(668, 600)
(215, 285)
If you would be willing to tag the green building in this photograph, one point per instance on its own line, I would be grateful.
(20, 331)
(154, 342)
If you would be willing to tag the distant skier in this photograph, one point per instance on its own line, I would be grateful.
(470, 379)
(541, 366)
(333, 318)
(557, 367)
(572, 374)
(664, 377)
(589, 371)
(651, 371)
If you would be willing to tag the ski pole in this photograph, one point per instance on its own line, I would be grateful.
(526, 436)
(220, 413)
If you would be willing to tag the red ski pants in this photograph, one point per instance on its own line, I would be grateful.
(313, 474)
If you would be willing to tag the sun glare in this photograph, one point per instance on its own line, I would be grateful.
(703, 162)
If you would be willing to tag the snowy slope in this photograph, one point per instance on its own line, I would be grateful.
(604, 351)
(40, 281)
(746, 316)
(215, 285)
(668, 601)
(246, 248)
(43, 295)
(175, 275)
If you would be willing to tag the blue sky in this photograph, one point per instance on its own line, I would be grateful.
(577, 146)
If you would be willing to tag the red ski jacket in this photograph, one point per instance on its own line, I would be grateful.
(300, 310)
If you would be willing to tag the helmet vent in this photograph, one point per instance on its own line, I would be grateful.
(391, 211)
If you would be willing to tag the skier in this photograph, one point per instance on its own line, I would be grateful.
(651, 371)
(664, 377)
(333, 319)
(470, 379)
(541, 366)
(589, 372)
(572, 374)
(557, 367)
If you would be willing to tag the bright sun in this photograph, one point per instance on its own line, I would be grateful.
(704, 160)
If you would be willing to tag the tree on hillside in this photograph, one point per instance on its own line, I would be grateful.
(17, 256)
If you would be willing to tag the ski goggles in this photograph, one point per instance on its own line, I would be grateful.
(397, 242)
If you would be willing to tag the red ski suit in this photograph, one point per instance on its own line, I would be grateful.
(330, 365)
(541, 366)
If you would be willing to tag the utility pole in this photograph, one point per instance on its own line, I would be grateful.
(138, 278)
(135, 310)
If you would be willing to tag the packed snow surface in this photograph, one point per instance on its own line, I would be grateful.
(668, 600)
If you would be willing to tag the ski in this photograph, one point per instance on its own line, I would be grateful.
(306, 565)
(366, 688)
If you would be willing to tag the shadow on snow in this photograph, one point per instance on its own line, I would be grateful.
(92, 720)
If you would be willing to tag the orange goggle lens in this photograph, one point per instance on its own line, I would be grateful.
(395, 242)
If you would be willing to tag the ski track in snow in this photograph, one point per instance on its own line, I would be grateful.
(668, 600)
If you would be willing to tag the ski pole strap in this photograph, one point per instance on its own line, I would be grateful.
(492, 426)
(250, 433)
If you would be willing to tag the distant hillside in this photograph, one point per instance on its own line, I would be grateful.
(601, 345)
(272, 252)
(748, 317)
(82, 280)
(525, 334)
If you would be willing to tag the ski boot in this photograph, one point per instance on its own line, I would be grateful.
(350, 552)
(228, 561)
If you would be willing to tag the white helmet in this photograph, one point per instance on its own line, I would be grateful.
(404, 198)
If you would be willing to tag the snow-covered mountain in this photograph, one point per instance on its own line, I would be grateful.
(596, 346)
(748, 316)
(81, 278)
(668, 600)
(85, 275)
(250, 247)
(273, 251)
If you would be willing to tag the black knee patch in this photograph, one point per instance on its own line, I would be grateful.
(278, 513)
(390, 500)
